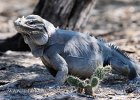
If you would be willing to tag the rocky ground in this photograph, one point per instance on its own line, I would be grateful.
(116, 21)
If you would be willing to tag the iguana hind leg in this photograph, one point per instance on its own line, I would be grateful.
(124, 69)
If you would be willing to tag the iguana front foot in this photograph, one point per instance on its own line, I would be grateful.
(53, 85)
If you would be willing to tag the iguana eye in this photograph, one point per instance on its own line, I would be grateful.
(29, 22)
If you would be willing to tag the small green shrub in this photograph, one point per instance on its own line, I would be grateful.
(89, 85)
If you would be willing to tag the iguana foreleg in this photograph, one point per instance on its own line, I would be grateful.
(60, 65)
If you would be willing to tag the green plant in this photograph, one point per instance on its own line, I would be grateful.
(75, 81)
(101, 72)
(89, 85)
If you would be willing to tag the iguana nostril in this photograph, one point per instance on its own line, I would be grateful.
(16, 23)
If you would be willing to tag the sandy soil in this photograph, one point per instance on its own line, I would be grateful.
(116, 21)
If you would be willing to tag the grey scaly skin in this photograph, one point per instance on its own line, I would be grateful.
(66, 52)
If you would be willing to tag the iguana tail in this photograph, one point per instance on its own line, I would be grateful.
(119, 60)
(122, 63)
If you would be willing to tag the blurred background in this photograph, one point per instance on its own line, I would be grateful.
(116, 21)
(117, 18)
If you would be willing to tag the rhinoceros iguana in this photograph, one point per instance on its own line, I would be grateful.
(66, 52)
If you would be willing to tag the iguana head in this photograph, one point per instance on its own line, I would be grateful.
(34, 28)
